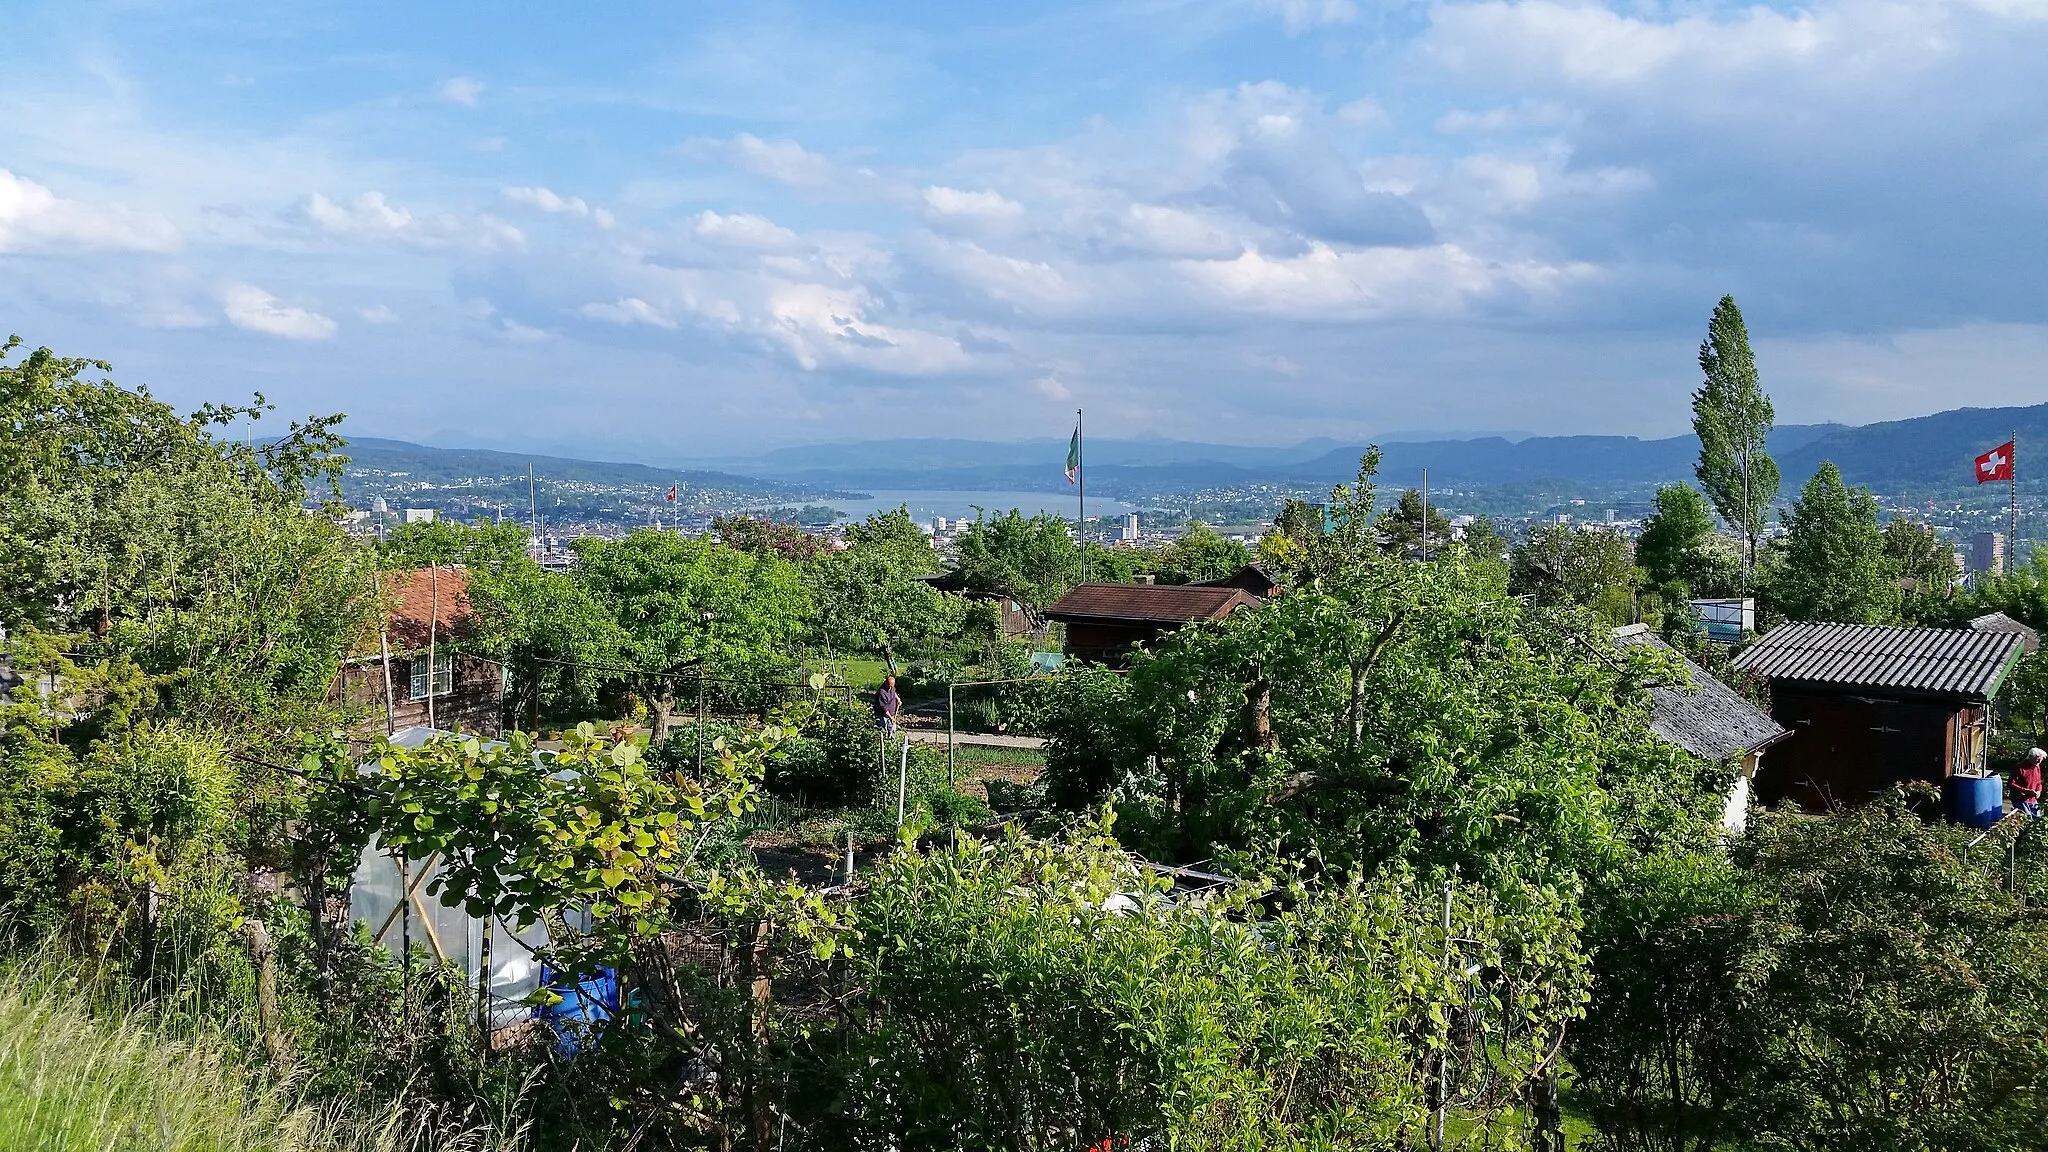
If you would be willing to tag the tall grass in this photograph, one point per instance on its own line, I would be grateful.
(76, 1080)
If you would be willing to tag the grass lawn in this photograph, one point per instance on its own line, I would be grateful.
(863, 673)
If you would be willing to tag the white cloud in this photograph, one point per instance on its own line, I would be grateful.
(1051, 388)
(1328, 284)
(784, 161)
(378, 314)
(628, 310)
(547, 200)
(1300, 15)
(33, 218)
(743, 230)
(369, 214)
(984, 204)
(247, 306)
(519, 333)
(462, 90)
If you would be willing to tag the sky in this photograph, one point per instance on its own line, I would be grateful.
(674, 231)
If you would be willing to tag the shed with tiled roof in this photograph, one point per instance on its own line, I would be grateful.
(1872, 706)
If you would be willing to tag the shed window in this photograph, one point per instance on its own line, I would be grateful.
(443, 676)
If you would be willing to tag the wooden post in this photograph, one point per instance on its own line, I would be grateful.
(264, 956)
(433, 624)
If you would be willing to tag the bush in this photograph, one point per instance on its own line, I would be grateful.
(1841, 982)
(1088, 750)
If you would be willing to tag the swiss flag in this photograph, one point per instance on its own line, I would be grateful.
(671, 493)
(1995, 464)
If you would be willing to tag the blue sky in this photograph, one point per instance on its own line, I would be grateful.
(684, 230)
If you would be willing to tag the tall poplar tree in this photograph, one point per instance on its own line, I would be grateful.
(1732, 418)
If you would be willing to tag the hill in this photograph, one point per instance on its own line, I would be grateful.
(426, 465)
(1926, 454)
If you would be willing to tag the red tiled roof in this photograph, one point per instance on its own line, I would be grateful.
(1149, 603)
(413, 596)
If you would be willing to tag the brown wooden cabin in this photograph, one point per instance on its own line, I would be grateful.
(427, 608)
(1105, 621)
(1871, 707)
(1016, 618)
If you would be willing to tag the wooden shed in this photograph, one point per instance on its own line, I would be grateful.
(1105, 621)
(413, 672)
(1710, 720)
(1871, 707)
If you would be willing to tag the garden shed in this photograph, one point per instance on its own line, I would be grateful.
(1710, 720)
(1871, 707)
(1105, 621)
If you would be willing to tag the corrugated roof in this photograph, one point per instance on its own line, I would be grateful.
(1948, 661)
(1148, 603)
(1707, 718)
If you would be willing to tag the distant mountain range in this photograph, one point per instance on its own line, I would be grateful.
(421, 464)
(1925, 454)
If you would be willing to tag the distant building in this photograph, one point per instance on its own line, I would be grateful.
(1987, 553)
(419, 515)
(425, 676)
(1872, 707)
(1106, 621)
(1130, 526)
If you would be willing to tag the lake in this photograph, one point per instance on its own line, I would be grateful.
(924, 505)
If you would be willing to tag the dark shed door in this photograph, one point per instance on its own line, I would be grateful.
(1846, 749)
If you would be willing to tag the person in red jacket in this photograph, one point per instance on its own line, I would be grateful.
(2025, 782)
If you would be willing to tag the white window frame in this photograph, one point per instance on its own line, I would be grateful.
(443, 679)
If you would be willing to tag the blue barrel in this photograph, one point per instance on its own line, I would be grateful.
(1976, 801)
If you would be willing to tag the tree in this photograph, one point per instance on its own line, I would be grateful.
(895, 534)
(1917, 553)
(1732, 417)
(1589, 567)
(1675, 539)
(1401, 526)
(1835, 566)
(694, 607)
(763, 537)
(1199, 554)
(1032, 560)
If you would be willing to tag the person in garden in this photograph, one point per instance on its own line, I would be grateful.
(2025, 782)
(887, 703)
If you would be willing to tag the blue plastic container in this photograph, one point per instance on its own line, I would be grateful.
(583, 1010)
(1975, 801)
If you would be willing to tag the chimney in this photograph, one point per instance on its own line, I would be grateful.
(1145, 579)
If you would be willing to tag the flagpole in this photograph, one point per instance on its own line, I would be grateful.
(1081, 492)
(2012, 532)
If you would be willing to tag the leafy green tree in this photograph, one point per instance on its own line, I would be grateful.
(159, 548)
(1588, 567)
(1675, 541)
(867, 599)
(480, 546)
(766, 537)
(1200, 553)
(1835, 564)
(1917, 553)
(694, 606)
(895, 534)
(1732, 417)
(1032, 560)
(1401, 526)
